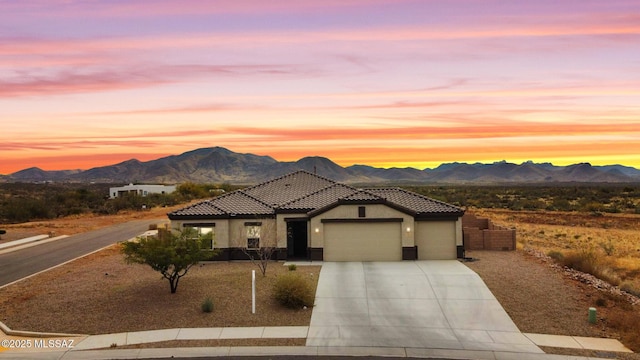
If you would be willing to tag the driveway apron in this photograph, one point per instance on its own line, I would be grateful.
(413, 304)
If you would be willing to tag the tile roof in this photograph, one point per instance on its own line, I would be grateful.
(288, 188)
(415, 202)
(362, 195)
(303, 191)
(233, 203)
(320, 199)
(205, 208)
(239, 203)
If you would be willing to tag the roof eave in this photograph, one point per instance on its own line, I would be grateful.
(222, 216)
(439, 216)
(293, 211)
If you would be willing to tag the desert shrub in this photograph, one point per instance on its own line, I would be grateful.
(292, 267)
(631, 288)
(587, 260)
(607, 274)
(555, 255)
(608, 247)
(601, 302)
(207, 305)
(293, 291)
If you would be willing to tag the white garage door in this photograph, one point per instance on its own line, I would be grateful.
(362, 242)
(436, 240)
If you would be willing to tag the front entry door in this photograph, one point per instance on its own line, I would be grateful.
(297, 240)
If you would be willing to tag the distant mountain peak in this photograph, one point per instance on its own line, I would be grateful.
(218, 164)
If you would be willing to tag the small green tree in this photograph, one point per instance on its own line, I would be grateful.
(171, 253)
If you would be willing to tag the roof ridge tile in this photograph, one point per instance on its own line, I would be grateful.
(335, 184)
(256, 199)
(210, 203)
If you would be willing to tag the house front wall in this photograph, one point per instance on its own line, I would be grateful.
(353, 237)
(221, 229)
(421, 239)
(231, 233)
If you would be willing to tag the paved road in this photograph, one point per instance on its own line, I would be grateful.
(21, 263)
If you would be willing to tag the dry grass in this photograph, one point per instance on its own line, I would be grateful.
(101, 294)
(605, 245)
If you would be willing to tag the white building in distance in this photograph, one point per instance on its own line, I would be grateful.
(140, 190)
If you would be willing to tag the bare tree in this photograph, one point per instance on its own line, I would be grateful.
(258, 242)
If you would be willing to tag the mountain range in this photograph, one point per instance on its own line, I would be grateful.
(217, 164)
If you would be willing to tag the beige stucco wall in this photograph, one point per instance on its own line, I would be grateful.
(231, 233)
(459, 234)
(221, 230)
(316, 238)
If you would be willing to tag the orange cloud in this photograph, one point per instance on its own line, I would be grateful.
(468, 131)
(72, 162)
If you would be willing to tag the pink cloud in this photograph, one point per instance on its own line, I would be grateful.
(73, 81)
(137, 9)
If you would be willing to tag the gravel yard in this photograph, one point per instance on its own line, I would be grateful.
(540, 299)
(101, 294)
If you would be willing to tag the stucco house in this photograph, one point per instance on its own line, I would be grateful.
(140, 190)
(306, 216)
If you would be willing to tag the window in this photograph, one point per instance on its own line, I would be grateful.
(253, 235)
(362, 211)
(204, 232)
(207, 235)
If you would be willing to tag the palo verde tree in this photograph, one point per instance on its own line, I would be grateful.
(171, 253)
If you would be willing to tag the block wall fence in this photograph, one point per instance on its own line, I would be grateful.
(482, 234)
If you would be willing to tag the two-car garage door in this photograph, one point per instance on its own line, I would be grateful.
(362, 241)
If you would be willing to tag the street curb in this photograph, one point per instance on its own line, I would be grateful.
(5, 329)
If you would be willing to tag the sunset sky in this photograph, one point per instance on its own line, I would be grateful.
(378, 82)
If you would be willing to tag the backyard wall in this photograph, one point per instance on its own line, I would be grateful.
(482, 234)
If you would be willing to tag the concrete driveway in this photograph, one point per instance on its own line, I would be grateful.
(410, 304)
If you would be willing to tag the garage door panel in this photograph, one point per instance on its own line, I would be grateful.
(362, 242)
(436, 240)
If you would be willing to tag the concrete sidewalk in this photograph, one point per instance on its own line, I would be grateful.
(100, 346)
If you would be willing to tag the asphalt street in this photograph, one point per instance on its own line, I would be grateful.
(22, 263)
